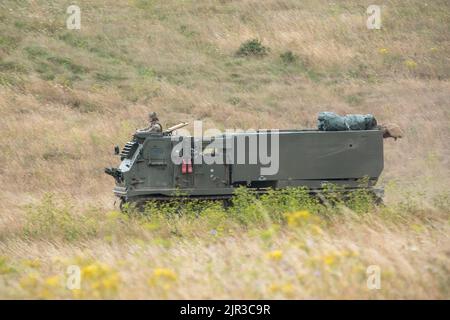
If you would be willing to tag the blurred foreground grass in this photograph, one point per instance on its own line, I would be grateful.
(281, 245)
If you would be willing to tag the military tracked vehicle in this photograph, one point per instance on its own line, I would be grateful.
(162, 165)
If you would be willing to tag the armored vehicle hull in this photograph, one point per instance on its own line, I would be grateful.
(150, 167)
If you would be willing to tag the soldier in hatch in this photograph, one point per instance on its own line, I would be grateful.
(154, 125)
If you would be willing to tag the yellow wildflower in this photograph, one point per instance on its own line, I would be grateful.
(297, 218)
(417, 227)
(35, 263)
(165, 273)
(315, 229)
(45, 294)
(383, 51)
(275, 255)
(163, 278)
(29, 281)
(329, 259)
(348, 253)
(94, 270)
(52, 281)
(90, 271)
(111, 282)
(113, 215)
(411, 64)
(358, 268)
(5, 267)
(286, 289)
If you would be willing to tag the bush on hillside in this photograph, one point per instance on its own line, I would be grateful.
(252, 47)
(288, 57)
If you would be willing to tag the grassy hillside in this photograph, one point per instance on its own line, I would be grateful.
(67, 96)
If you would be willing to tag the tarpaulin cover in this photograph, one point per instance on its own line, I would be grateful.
(329, 121)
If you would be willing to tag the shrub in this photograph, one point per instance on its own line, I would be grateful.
(288, 57)
(252, 47)
(58, 219)
(50, 219)
(361, 201)
(247, 209)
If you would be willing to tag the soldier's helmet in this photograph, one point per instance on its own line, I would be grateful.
(152, 116)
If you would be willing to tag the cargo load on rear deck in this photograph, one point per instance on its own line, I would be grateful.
(330, 121)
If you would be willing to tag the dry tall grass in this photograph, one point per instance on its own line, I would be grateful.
(66, 97)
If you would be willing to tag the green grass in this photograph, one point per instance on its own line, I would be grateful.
(56, 218)
(288, 229)
(67, 97)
